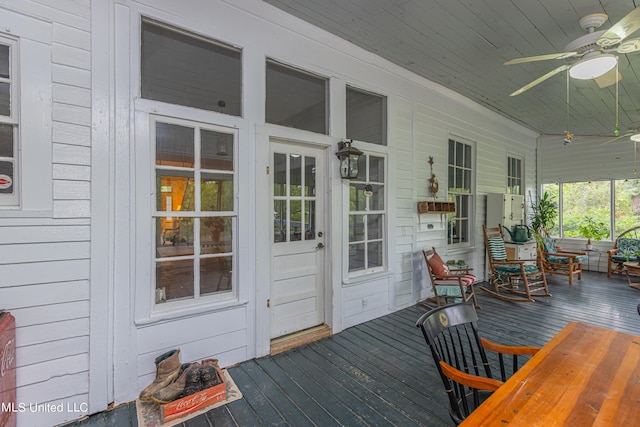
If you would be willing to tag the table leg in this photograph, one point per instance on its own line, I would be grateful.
(632, 284)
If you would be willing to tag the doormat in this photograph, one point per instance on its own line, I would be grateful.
(148, 412)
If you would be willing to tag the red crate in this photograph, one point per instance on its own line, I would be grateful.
(7, 370)
(194, 402)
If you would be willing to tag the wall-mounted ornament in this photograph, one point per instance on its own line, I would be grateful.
(433, 181)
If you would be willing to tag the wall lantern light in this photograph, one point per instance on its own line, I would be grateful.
(348, 156)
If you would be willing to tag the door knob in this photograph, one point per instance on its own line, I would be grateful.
(320, 246)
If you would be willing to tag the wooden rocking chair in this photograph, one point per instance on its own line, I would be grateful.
(516, 277)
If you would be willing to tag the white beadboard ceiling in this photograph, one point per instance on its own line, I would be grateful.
(462, 45)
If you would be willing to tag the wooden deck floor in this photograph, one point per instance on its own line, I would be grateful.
(379, 373)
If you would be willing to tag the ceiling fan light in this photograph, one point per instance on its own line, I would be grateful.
(635, 137)
(593, 67)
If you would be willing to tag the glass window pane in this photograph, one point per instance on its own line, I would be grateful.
(357, 199)
(356, 257)
(584, 200)
(310, 176)
(175, 191)
(374, 254)
(5, 99)
(174, 280)
(216, 150)
(627, 204)
(174, 236)
(216, 235)
(467, 156)
(6, 177)
(279, 174)
(216, 192)
(309, 220)
(366, 117)
(6, 140)
(295, 220)
(280, 221)
(554, 194)
(5, 64)
(376, 169)
(374, 227)
(174, 145)
(295, 175)
(356, 228)
(452, 151)
(296, 99)
(215, 274)
(376, 202)
(189, 70)
(459, 160)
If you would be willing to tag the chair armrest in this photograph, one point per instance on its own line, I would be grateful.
(452, 277)
(560, 254)
(474, 381)
(508, 349)
(512, 261)
(571, 252)
(612, 251)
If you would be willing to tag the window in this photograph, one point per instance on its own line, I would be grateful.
(554, 194)
(627, 204)
(296, 98)
(366, 117)
(461, 192)
(367, 212)
(514, 175)
(195, 214)
(581, 200)
(8, 127)
(182, 68)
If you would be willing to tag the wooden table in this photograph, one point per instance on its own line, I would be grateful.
(585, 376)
(632, 268)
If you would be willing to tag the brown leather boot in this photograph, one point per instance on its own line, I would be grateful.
(167, 370)
(209, 374)
(177, 388)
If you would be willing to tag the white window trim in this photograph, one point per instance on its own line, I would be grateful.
(458, 247)
(32, 69)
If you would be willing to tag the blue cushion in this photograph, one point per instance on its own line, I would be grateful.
(549, 245)
(624, 258)
(565, 260)
(627, 246)
(515, 268)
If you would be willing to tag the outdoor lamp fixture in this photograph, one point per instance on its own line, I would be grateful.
(593, 66)
(348, 156)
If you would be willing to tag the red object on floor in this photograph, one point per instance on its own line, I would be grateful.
(8, 408)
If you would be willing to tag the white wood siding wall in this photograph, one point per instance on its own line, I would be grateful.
(45, 261)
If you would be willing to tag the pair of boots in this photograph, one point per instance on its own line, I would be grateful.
(175, 379)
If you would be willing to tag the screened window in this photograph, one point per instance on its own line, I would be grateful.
(627, 204)
(514, 175)
(460, 168)
(367, 212)
(183, 68)
(296, 98)
(195, 213)
(366, 117)
(8, 128)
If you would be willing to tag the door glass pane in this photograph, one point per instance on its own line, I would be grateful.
(295, 175)
(216, 192)
(310, 176)
(5, 99)
(310, 220)
(6, 177)
(357, 199)
(175, 191)
(356, 228)
(279, 174)
(174, 280)
(295, 220)
(216, 235)
(356, 256)
(184, 69)
(174, 145)
(215, 275)
(6, 140)
(376, 169)
(377, 199)
(216, 150)
(374, 227)
(374, 254)
(280, 221)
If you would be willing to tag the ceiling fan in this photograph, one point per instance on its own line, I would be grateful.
(633, 134)
(594, 51)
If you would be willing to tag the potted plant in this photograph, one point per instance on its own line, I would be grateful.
(591, 229)
(545, 213)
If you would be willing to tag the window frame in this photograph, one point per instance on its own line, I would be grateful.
(512, 177)
(384, 240)
(13, 119)
(455, 194)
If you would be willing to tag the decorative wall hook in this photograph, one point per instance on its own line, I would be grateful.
(433, 181)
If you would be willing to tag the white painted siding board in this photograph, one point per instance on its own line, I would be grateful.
(70, 154)
(71, 134)
(71, 208)
(31, 316)
(43, 272)
(55, 11)
(37, 334)
(35, 234)
(29, 252)
(45, 371)
(72, 114)
(43, 294)
(32, 354)
(74, 95)
(65, 386)
(71, 76)
(71, 190)
(70, 36)
(71, 56)
(71, 172)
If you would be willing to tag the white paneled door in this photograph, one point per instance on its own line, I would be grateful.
(297, 185)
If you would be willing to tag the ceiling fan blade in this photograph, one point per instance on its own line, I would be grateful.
(621, 30)
(616, 138)
(609, 78)
(562, 55)
(540, 79)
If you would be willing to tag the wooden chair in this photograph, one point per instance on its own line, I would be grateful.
(557, 261)
(508, 275)
(460, 355)
(457, 287)
(624, 249)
